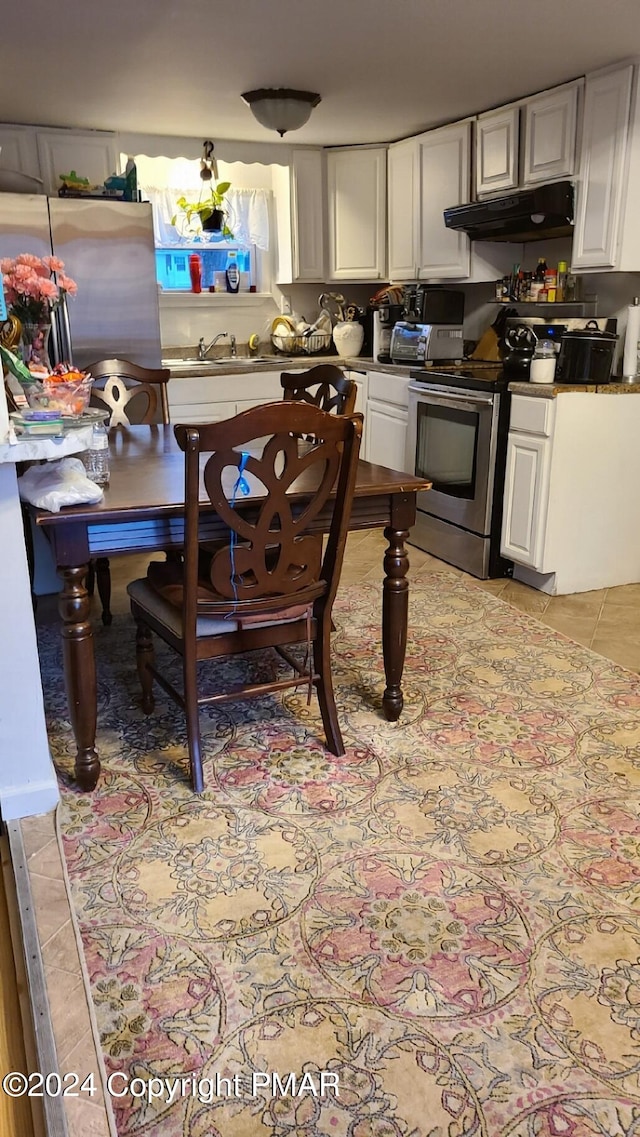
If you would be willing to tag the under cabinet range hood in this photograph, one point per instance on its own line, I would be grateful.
(529, 215)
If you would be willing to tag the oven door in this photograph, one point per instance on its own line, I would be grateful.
(451, 439)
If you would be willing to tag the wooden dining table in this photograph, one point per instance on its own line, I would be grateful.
(143, 511)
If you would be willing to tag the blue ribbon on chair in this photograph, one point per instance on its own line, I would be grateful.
(241, 485)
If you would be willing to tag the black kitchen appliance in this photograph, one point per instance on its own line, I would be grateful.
(384, 321)
(424, 305)
(367, 322)
(586, 355)
(519, 345)
(540, 212)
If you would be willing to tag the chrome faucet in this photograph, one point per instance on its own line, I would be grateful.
(203, 350)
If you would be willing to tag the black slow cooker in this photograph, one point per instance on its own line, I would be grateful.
(586, 355)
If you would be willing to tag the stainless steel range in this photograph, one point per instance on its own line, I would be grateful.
(457, 437)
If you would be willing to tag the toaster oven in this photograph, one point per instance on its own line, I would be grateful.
(426, 343)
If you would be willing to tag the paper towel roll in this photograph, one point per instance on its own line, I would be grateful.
(632, 338)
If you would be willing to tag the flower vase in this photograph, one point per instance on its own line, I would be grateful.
(35, 344)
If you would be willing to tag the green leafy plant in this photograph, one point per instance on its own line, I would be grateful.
(205, 207)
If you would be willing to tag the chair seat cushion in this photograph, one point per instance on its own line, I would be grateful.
(167, 579)
(145, 595)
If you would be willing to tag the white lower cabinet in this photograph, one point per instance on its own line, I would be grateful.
(206, 398)
(526, 499)
(387, 418)
(572, 490)
(387, 429)
(212, 398)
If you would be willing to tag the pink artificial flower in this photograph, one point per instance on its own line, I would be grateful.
(30, 290)
(22, 272)
(67, 284)
(48, 290)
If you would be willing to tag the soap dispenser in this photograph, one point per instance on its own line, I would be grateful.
(232, 273)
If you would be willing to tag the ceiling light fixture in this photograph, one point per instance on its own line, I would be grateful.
(280, 108)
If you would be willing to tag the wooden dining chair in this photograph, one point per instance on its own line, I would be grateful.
(325, 386)
(268, 582)
(120, 385)
(126, 389)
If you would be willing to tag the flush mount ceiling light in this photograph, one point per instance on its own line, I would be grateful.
(280, 108)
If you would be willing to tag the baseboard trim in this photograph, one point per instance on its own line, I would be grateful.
(29, 799)
(53, 1107)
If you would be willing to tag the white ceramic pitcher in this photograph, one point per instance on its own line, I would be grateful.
(348, 337)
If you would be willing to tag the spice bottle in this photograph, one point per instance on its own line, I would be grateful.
(561, 283)
(550, 281)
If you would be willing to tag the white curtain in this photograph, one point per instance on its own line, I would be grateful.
(164, 180)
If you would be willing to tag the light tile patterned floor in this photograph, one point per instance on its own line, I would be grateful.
(607, 621)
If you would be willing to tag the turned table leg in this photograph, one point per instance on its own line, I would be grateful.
(80, 673)
(395, 608)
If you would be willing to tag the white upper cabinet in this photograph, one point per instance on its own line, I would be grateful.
(18, 150)
(549, 128)
(403, 187)
(444, 164)
(602, 186)
(299, 196)
(497, 137)
(93, 154)
(356, 184)
(426, 175)
(307, 195)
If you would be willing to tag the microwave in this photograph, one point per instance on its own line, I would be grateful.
(425, 343)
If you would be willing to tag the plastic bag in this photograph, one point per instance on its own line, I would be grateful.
(54, 484)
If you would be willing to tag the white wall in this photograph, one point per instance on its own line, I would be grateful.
(27, 778)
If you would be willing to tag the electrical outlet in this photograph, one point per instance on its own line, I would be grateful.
(285, 305)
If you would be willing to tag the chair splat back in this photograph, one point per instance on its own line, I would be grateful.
(273, 556)
(324, 386)
(117, 383)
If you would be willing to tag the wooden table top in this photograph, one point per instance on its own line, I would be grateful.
(147, 479)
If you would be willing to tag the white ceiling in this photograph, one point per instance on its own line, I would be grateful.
(384, 68)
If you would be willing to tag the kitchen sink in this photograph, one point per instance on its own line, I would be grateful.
(228, 361)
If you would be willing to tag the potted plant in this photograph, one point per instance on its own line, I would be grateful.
(210, 210)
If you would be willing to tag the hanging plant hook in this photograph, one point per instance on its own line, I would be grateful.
(208, 164)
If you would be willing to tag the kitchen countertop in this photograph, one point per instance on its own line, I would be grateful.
(244, 365)
(551, 390)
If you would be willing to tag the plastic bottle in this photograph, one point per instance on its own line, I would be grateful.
(232, 273)
(540, 270)
(131, 181)
(96, 460)
(195, 272)
(543, 364)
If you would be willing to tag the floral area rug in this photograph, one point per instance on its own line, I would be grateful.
(437, 934)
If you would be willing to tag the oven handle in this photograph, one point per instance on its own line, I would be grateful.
(455, 402)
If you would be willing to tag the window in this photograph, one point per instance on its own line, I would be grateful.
(163, 181)
(172, 265)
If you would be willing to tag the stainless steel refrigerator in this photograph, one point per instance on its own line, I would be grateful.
(108, 249)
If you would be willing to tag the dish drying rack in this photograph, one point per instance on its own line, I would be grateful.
(302, 345)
